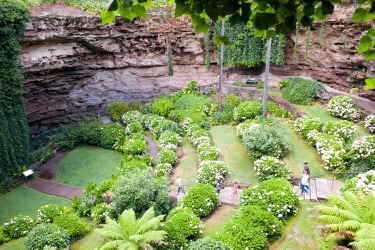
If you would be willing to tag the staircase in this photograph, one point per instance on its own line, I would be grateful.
(319, 189)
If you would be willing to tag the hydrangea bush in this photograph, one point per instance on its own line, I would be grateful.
(167, 156)
(166, 125)
(361, 183)
(269, 167)
(207, 243)
(276, 196)
(364, 149)
(212, 172)
(305, 124)
(19, 226)
(73, 224)
(47, 235)
(133, 127)
(169, 139)
(247, 110)
(207, 152)
(341, 129)
(135, 147)
(48, 212)
(343, 107)
(244, 127)
(370, 123)
(111, 133)
(163, 169)
(331, 150)
(202, 199)
(131, 116)
(100, 212)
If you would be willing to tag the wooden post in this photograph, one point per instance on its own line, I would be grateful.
(221, 69)
(269, 44)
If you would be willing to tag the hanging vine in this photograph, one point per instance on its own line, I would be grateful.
(206, 43)
(170, 57)
(321, 33)
(307, 43)
(295, 51)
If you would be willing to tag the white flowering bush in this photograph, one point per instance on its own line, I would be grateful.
(169, 139)
(244, 127)
(276, 196)
(370, 123)
(185, 123)
(100, 212)
(331, 150)
(18, 226)
(247, 110)
(343, 107)
(193, 137)
(167, 156)
(207, 152)
(191, 128)
(341, 129)
(313, 136)
(269, 167)
(181, 224)
(131, 116)
(305, 124)
(152, 121)
(134, 147)
(202, 199)
(212, 172)
(361, 183)
(201, 140)
(162, 169)
(166, 125)
(133, 127)
(48, 212)
(111, 134)
(364, 149)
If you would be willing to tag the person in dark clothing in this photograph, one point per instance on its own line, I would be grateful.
(306, 167)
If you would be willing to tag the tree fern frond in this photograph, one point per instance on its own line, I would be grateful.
(153, 236)
(127, 222)
(128, 246)
(148, 215)
(364, 244)
(148, 225)
(350, 225)
(333, 211)
(114, 244)
(111, 232)
(330, 219)
(340, 202)
(358, 203)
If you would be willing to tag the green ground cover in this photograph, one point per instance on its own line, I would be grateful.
(91, 241)
(218, 219)
(87, 163)
(301, 151)
(234, 154)
(26, 201)
(187, 167)
(18, 244)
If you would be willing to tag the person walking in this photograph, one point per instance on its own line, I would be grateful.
(218, 187)
(306, 167)
(304, 183)
(180, 185)
(235, 189)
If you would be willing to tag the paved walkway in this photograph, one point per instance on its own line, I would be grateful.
(320, 188)
(152, 148)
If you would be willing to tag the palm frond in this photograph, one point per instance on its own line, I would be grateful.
(114, 244)
(127, 222)
(148, 215)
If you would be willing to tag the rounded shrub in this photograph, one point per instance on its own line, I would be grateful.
(135, 147)
(212, 172)
(343, 107)
(166, 125)
(243, 127)
(305, 124)
(131, 116)
(162, 106)
(301, 91)
(370, 123)
(265, 140)
(269, 167)
(341, 129)
(276, 196)
(363, 149)
(73, 224)
(131, 163)
(100, 212)
(247, 110)
(105, 186)
(163, 169)
(202, 199)
(111, 133)
(133, 127)
(207, 152)
(116, 109)
(167, 156)
(169, 139)
(47, 213)
(181, 224)
(208, 244)
(47, 235)
(18, 226)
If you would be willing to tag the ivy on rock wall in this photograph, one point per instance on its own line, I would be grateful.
(246, 49)
(14, 137)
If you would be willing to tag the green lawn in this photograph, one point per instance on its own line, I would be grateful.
(87, 163)
(187, 168)
(299, 232)
(18, 244)
(300, 152)
(217, 220)
(234, 154)
(91, 241)
(26, 201)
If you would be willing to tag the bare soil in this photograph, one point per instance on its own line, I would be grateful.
(57, 9)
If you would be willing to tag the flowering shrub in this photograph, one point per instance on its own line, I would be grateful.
(196, 134)
(341, 129)
(202, 140)
(313, 136)
(364, 149)
(169, 138)
(207, 152)
(163, 169)
(105, 186)
(247, 110)
(134, 147)
(47, 235)
(269, 167)
(18, 226)
(181, 224)
(212, 172)
(166, 125)
(332, 151)
(131, 116)
(190, 128)
(48, 212)
(208, 244)
(185, 123)
(129, 164)
(243, 127)
(167, 156)
(100, 212)
(202, 199)
(276, 196)
(116, 109)
(305, 124)
(133, 127)
(361, 183)
(265, 140)
(344, 107)
(111, 133)
(73, 224)
(370, 123)
(162, 106)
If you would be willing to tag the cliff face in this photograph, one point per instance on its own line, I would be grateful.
(74, 65)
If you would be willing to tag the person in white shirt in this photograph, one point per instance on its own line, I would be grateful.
(180, 185)
(304, 183)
